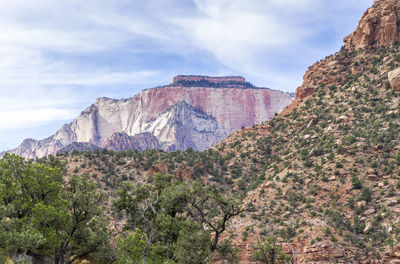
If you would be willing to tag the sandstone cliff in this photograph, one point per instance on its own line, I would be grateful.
(379, 26)
(219, 106)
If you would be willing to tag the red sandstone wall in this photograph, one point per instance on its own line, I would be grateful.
(233, 108)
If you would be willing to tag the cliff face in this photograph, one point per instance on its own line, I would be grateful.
(211, 112)
(182, 126)
(379, 26)
(233, 108)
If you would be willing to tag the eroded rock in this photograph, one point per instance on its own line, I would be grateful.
(394, 79)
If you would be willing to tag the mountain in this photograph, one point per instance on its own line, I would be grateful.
(214, 108)
(323, 176)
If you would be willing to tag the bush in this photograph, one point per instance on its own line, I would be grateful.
(356, 182)
(269, 253)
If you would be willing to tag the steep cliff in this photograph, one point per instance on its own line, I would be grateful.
(227, 103)
(379, 26)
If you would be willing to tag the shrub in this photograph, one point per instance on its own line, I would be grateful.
(269, 253)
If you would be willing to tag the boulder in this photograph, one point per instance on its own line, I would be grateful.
(394, 79)
(369, 211)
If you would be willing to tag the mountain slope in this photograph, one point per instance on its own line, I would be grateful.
(326, 172)
(233, 103)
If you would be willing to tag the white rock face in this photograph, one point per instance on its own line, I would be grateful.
(184, 126)
(179, 117)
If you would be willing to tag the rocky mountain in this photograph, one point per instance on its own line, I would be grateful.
(213, 108)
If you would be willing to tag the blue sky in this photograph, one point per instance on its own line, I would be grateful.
(57, 57)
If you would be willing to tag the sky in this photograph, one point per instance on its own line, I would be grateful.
(57, 57)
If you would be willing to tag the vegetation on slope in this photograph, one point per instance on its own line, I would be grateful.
(325, 175)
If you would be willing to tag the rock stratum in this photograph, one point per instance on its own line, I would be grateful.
(192, 112)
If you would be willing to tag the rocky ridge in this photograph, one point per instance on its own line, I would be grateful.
(379, 27)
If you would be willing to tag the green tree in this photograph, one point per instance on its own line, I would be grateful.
(267, 252)
(130, 248)
(77, 226)
(180, 222)
(227, 253)
(46, 218)
(23, 188)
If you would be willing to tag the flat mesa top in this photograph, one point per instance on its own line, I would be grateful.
(199, 78)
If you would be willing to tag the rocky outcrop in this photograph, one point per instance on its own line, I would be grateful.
(210, 113)
(379, 26)
(120, 141)
(316, 75)
(158, 168)
(394, 79)
(185, 173)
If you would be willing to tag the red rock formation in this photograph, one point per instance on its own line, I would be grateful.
(233, 108)
(317, 75)
(379, 26)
